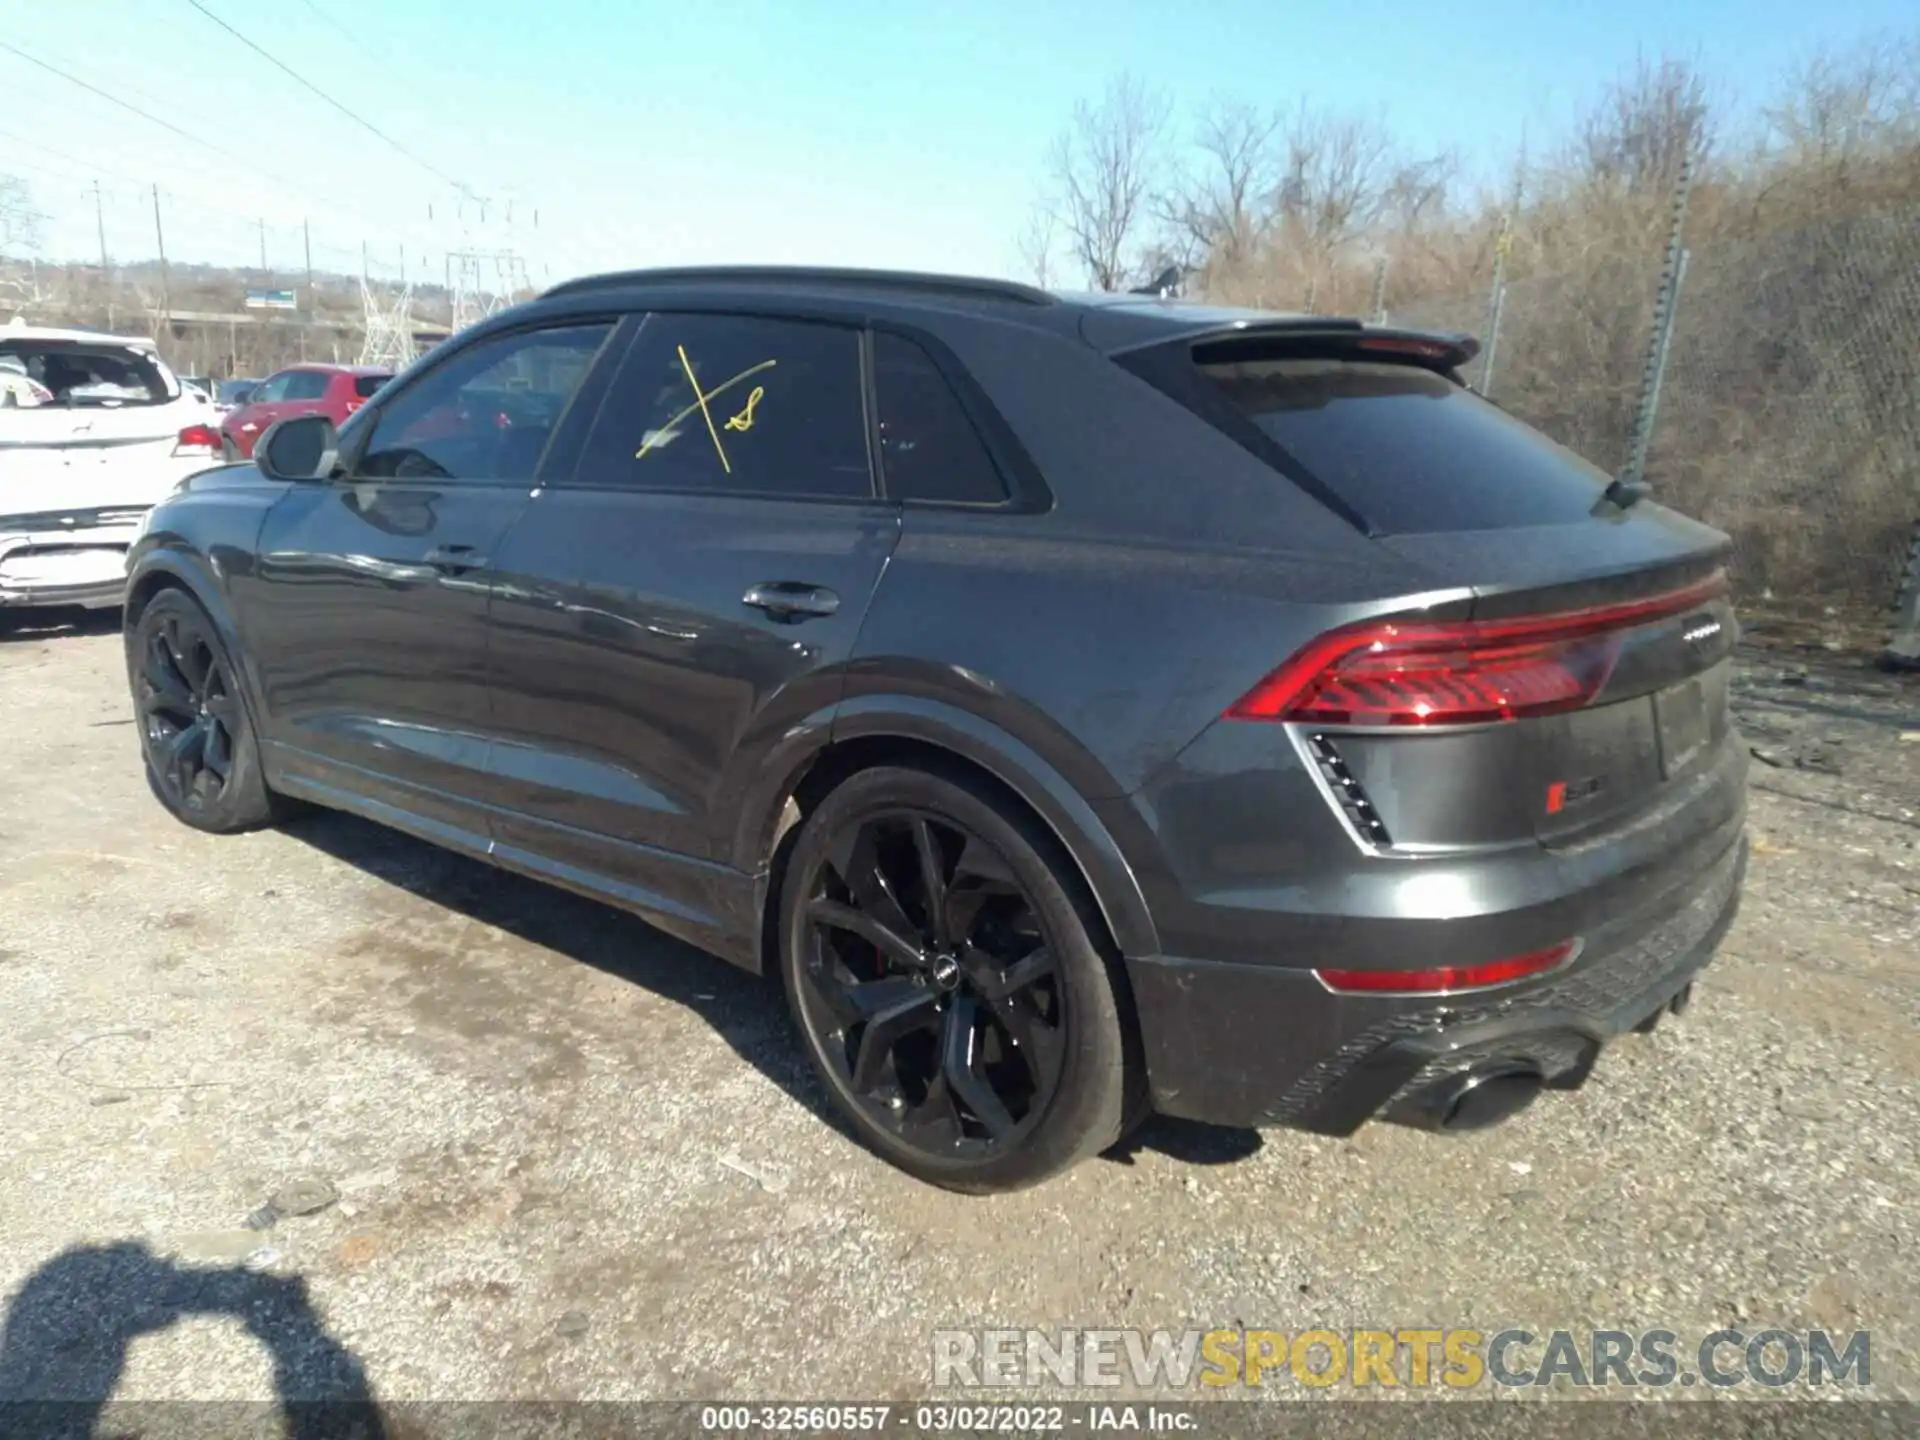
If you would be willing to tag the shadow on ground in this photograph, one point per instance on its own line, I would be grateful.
(70, 1324)
(58, 623)
(748, 1012)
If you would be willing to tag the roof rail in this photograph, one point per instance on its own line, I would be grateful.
(957, 286)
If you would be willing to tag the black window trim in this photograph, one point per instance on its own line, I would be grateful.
(571, 479)
(367, 418)
(1027, 492)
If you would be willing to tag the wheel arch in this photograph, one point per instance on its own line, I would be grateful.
(932, 735)
(167, 569)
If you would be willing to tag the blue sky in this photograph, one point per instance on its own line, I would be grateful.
(902, 133)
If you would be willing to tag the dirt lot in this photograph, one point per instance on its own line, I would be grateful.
(576, 1159)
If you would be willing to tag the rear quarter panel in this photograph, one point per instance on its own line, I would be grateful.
(1172, 571)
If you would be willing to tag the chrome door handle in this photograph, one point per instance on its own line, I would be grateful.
(791, 600)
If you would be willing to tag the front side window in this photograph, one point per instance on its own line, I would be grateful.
(270, 391)
(486, 414)
(735, 405)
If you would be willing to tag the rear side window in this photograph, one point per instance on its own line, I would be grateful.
(929, 450)
(734, 404)
(1407, 450)
(86, 377)
(306, 385)
(367, 386)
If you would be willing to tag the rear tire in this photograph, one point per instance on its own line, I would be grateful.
(229, 452)
(978, 1042)
(196, 733)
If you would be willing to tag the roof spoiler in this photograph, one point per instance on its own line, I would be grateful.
(1436, 349)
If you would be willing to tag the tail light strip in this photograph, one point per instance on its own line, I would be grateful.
(1447, 979)
(1423, 673)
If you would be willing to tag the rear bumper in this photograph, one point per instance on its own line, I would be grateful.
(103, 595)
(91, 573)
(1268, 1045)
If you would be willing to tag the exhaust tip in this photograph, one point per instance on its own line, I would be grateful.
(1486, 1097)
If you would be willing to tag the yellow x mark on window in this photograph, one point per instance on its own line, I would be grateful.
(740, 423)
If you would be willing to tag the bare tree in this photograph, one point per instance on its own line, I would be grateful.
(19, 230)
(1335, 176)
(19, 221)
(1036, 244)
(1216, 210)
(1842, 107)
(1103, 169)
(1647, 123)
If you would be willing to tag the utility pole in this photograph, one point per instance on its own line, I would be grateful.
(263, 250)
(166, 287)
(106, 267)
(306, 246)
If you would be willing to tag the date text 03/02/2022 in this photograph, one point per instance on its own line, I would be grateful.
(939, 1419)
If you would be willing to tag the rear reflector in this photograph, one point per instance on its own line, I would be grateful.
(1458, 673)
(1448, 978)
(197, 440)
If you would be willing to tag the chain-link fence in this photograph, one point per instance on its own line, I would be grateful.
(1789, 411)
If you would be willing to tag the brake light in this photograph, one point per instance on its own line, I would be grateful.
(353, 405)
(197, 440)
(1403, 345)
(1446, 979)
(1458, 673)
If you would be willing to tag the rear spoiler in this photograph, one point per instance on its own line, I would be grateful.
(1437, 350)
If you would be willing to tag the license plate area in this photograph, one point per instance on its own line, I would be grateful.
(74, 566)
(1683, 721)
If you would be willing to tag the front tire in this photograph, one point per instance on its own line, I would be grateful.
(949, 985)
(196, 736)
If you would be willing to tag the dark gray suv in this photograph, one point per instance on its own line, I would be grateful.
(1085, 706)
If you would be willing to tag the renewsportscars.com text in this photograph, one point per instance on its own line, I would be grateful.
(1409, 1358)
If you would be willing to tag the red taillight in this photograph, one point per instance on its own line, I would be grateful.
(1447, 978)
(353, 405)
(197, 440)
(1404, 345)
(1458, 673)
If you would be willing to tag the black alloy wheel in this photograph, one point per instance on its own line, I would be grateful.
(940, 976)
(187, 713)
(194, 729)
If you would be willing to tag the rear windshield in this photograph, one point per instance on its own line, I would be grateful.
(1407, 450)
(82, 375)
(367, 386)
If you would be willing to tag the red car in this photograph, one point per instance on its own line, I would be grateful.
(335, 391)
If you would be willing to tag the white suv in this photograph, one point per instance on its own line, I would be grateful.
(94, 431)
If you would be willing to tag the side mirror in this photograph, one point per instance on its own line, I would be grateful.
(303, 448)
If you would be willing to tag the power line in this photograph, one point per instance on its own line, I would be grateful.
(337, 28)
(307, 84)
(95, 168)
(111, 98)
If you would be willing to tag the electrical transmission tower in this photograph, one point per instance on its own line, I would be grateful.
(482, 282)
(389, 327)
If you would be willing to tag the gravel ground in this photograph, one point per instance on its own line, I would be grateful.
(575, 1159)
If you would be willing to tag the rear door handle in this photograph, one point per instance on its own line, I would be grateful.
(454, 559)
(791, 600)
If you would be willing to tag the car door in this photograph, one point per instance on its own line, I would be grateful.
(365, 612)
(306, 394)
(247, 423)
(683, 593)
